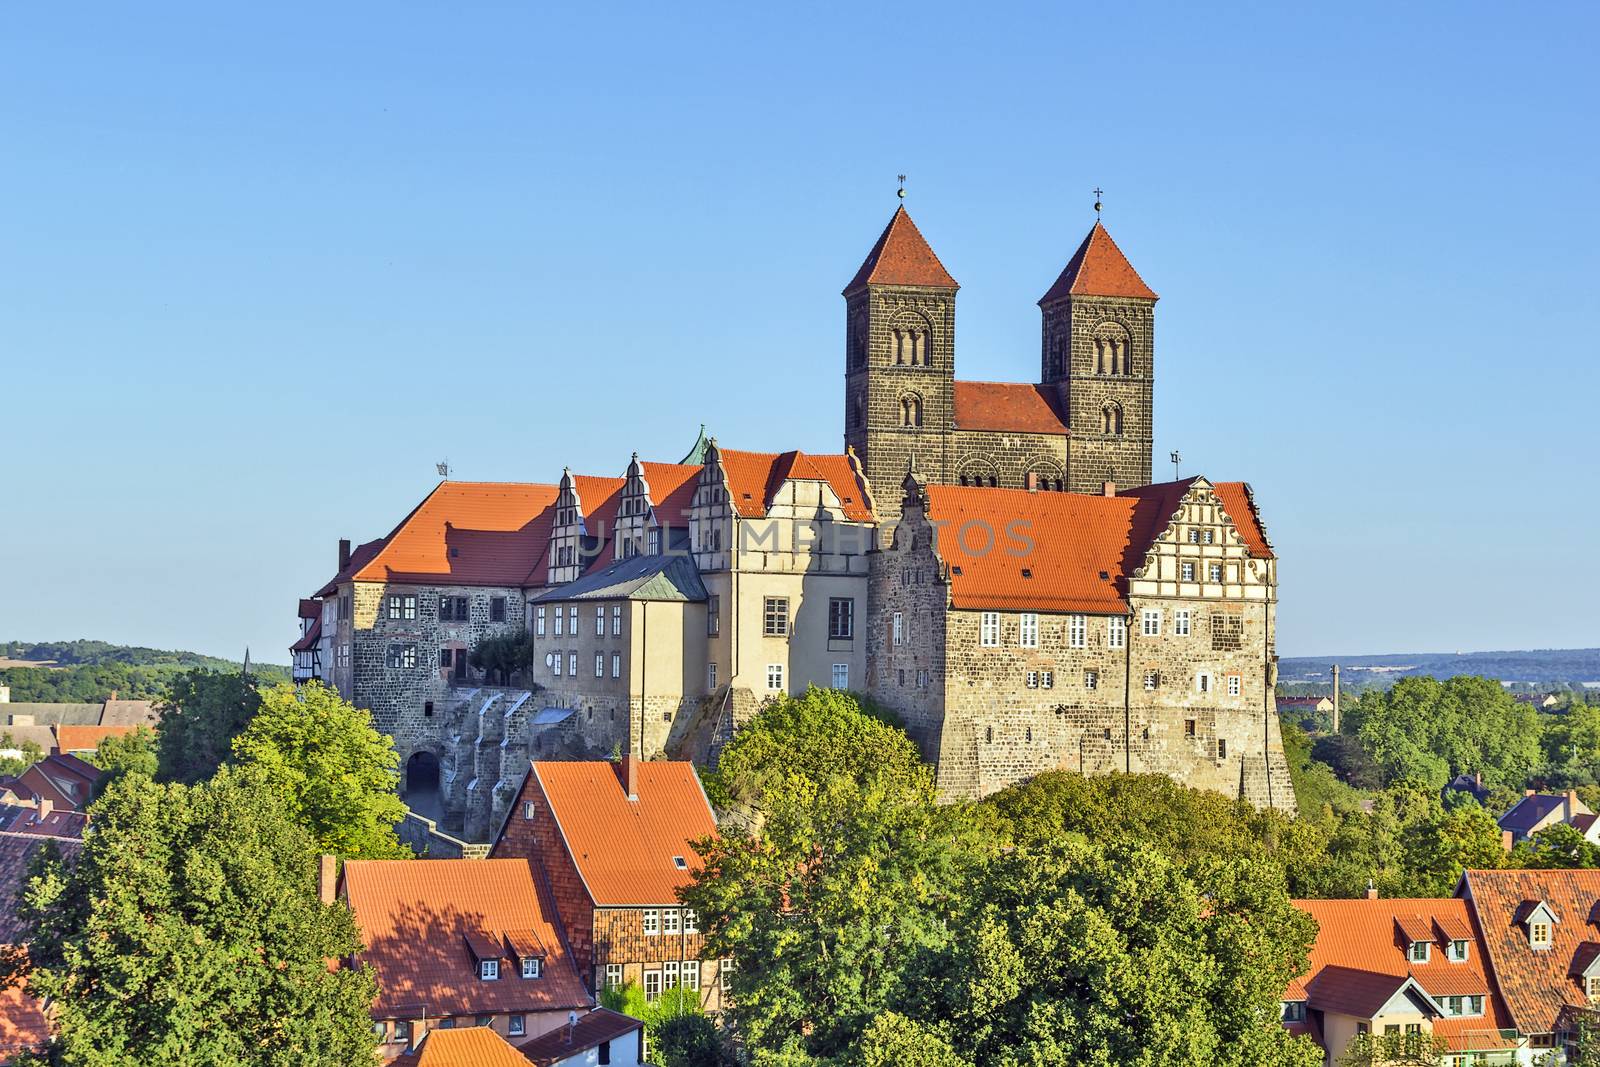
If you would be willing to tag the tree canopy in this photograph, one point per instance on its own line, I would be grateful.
(204, 713)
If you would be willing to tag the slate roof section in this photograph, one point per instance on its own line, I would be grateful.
(1536, 983)
(1530, 811)
(415, 915)
(625, 850)
(1098, 268)
(16, 852)
(902, 256)
(1018, 407)
(635, 578)
(755, 478)
(598, 1026)
(52, 714)
(462, 1046)
(466, 533)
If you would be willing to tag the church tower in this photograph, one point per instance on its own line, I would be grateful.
(1098, 354)
(899, 367)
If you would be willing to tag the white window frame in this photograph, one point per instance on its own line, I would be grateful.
(1150, 622)
(1047, 679)
(1214, 573)
(1091, 679)
(841, 676)
(1186, 571)
(1235, 685)
(711, 676)
(530, 966)
(613, 975)
(691, 921)
(599, 664)
(616, 620)
(1032, 680)
(1181, 622)
(489, 970)
(650, 922)
(555, 663)
(1535, 939)
(671, 921)
(1078, 631)
(517, 1026)
(669, 975)
(1152, 681)
(561, 622)
(897, 628)
(572, 664)
(599, 620)
(1028, 629)
(616, 664)
(1116, 632)
(538, 621)
(691, 975)
(652, 984)
(1204, 683)
(774, 677)
(1420, 952)
(989, 629)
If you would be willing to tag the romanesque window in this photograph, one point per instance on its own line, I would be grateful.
(911, 410)
(910, 345)
(858, 340)
(1111, 419)
(1059, 358)
(1111, 350)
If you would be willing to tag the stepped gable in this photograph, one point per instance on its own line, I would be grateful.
(672, 487)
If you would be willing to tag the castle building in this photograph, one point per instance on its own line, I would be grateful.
(661, 606)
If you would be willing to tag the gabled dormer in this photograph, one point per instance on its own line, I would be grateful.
(1417, 938)
(1538, 921)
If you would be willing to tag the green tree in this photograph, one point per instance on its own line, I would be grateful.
(334, 771)
(1439, 847)
(1423, 731)
(189, 932)
(892, 1040)
(199, 721)
(1558, 846)
(132, 753)
(1394, 1050)
(15, 765)
(690, 1039)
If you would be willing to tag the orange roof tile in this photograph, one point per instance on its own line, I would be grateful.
(754, 479)
(1240, 504)
(24, 1026)
(467, 533)
(902, 257)
(1015, 406)
(627, 851)
(1536, 984)
(414, 916)
(1098, 268)
(359, 558)
(1359, 960)
(599, 1025)
(87, 738)
(463, 1046)
(672, 487)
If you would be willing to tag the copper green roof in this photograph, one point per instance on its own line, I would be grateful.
(658, 577)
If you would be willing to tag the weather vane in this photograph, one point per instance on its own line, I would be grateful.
(902, 191)
(1097, 204)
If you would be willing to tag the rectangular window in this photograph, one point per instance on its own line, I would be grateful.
(1116, 632)
(650, 922)
(1235, 685)
(1078, 631)
(711, 676)
(841, 618)
(517, 1025)
(1227, 632)
(1457, 952)
(1202, 682)
(1188, 727)
(897, 629)
(1047, 679)
(1150, 622)
(775, 622)
(1186, 572)
(841, 676)
(408, 656)
(489, 970)
(394, 607)
(989, 629)
(392, 656)
(555, 662)
(655, 542)
(344, 606)
(922, 679)
(572, 619)
(691, 975)
(1152, 681)
(341, 656)
(1539, 935)
(713, 615)
(1180, 623)
(775, 676)
(1194, 536)
(572, 664)
(538, 620)
(561, 622)
(402, 1031)
(497, 609)
(1419, 951)
(616, 620)
(599, 620)
(691, 921)
(528, 809)
(1215, 572)
(453, 609)
(408, 606)
(671, 920)
(613, 975)
(669, 974)
(1028, 629)
(1033, 680)
(652, 985)
(616, 664)
(599, 664)
(1475, 1004)
(446, 658)
(1222, 748)
(1091, 679)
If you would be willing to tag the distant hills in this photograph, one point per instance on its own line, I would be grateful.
(90, 671)
(1570, 667)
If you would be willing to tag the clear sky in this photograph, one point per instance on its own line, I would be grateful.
(262, 265)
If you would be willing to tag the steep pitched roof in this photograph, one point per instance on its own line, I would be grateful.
(1015, 406)
(463, 1046)
(466, 533)
(902, 257)
(1240, 504)
(64, 780)
(658, 577)
(1359, 961)
(598, 1026)
(1530, 811)
(415, 915)
(358, 559)
(672, 487)
(24, 1026)
(627, 851)
(128, 713)
(1098, 268)
(1537, 984)
(16, 852)
(754, 479)
(87, 738)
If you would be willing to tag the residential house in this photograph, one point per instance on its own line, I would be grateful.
(1305, 705)
(74, 740)
(459, 943)
(64, 782)
(1541, 929)
(1386, 967)
(1537, 811)
(476, 1046)
(614, 845)
(603, 1038)
(306, 653)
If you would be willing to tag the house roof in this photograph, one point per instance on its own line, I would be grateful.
(627, 851)
(51, 714)
(755, 479)
(467, 533)
(24, 1026)
(1536, 983)
(415, 915)
(1359, 961)
(87, 738)
(902, 257)
(657, 577)
(672, 487)
(310, 638)
(1098, 268)
(65, 780)
(60, 824)
(358, 559)
(310, 608)
(462, 1046)
(1530, 811)
(1019, 407)
(16, 852)
(599, 1025)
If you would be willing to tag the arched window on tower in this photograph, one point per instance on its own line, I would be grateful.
(856, 412)
(1111, 419)
(1111, 350)
(919, 348)
(911, 411)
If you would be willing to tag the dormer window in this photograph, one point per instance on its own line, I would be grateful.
(1456, 952)
(1591, 987)
(1420, 951)
(1538, 934)
(489, 970)
(530, 966)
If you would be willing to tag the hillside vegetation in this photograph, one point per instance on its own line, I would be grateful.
(86, 672)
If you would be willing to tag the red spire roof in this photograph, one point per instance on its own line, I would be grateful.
(1098, 268)
(902, 257)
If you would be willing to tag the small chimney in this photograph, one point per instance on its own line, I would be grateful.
(1507, 840)
(327, 879)
(344, 552)
(1529, 792)
(1477, 779)
(112, 697)
(630, 776)
(1109, 488)
(1372, 890)
(46, 806)
(1572, 803)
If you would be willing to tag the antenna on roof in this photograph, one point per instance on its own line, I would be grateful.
(901, 192)
(443, 469)
(1176, 459)
(1097, 204)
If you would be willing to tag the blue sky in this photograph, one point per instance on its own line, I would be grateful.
(261, 266)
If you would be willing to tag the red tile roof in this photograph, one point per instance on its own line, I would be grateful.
(414, 916)
(754, 479)
(1240, 504)
(1359, 960)
(87, 738)
(63, 825)
(24, 1026)
(1015, 406)
(310, 608)
(310, 638)
(358, 559)
(466, 533)
(902, 257)
(1098, 268)
(626, 851)
(463, 1046)
(599, 1025)
(64, 780)
(672, 487)
(1536, 983)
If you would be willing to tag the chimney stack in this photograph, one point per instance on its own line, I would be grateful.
(1529, 792)
(327, 879)
(1572, 803)
(1372, 890)
(46, 806)
(630, 776)
(1109, 488)
(1507, 840)
(344, 552)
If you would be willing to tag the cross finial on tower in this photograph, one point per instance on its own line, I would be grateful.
(1097, 204)
(901, 193)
